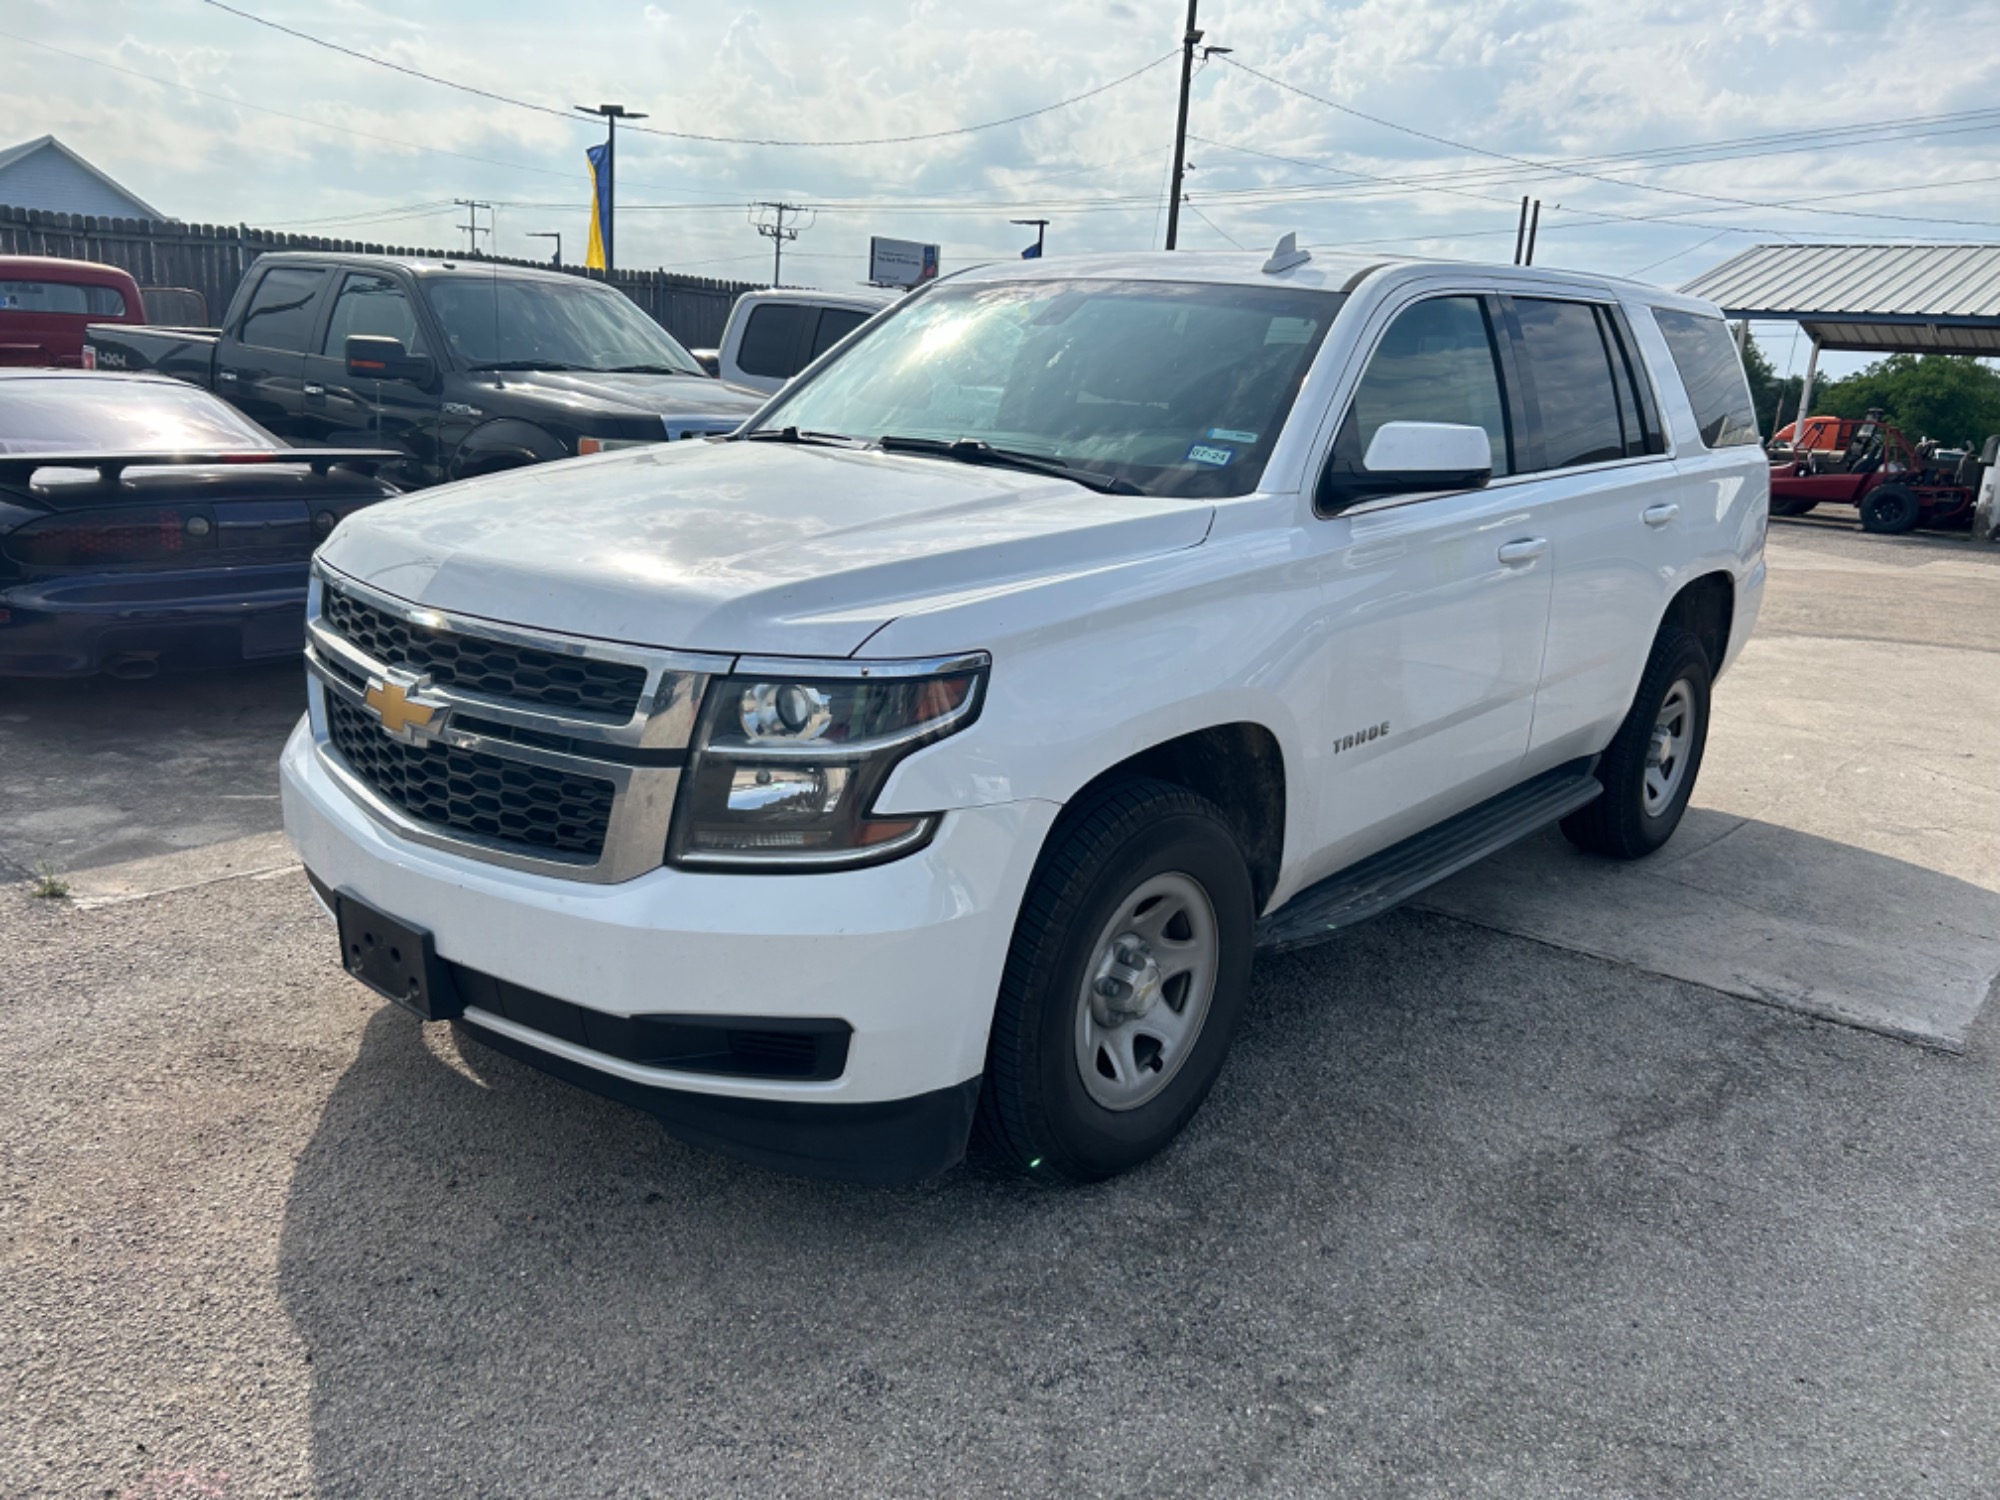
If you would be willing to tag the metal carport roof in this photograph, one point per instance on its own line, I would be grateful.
(1886, 299)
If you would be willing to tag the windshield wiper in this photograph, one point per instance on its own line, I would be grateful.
(643, 370)
(974, 451)
(553, 365)
(793, 435)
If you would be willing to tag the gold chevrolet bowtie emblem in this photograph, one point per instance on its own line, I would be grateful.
(398, 712)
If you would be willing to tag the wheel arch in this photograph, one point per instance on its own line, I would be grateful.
(506, 443)
(1240, 767)
(1705, 606)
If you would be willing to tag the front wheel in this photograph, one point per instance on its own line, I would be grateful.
(1128, 971)
(1648, 770)
(1791, 507)
(1889, 510)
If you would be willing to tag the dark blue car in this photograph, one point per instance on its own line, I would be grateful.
(146, 524)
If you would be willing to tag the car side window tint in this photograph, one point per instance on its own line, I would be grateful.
(370, 304)
(1635, 385)
(835, 324)
(280, 313)
(1569, 367)
(771, 340)
(1712, 370)
(1436, 363)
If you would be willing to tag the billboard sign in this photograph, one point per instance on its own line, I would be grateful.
(902, 263)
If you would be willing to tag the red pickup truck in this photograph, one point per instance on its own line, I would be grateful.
(45, 304)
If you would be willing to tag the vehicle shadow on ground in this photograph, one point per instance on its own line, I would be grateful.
(1763, 911)
(94, 771)
(1463, 1212)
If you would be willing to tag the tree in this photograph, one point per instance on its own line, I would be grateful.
(1951, 397)
(1768, 394)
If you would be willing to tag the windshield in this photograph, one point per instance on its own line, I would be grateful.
(550, 325)
(1175, 388)
(86, 415)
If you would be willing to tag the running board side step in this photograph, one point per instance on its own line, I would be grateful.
(1399, 872)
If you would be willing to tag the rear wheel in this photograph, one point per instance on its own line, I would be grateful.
(1889, 509)
(1649, 769)
(1128, 971)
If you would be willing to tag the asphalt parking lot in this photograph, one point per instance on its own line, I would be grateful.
(1470, 1213)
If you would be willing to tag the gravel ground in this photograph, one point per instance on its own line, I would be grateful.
(1466, 1216)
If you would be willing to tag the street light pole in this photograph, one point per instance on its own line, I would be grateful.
(1188, 41)
(612, 114)
(549, 234)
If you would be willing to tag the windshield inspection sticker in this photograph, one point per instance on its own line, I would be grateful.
(1231, 435)
(1201, 453)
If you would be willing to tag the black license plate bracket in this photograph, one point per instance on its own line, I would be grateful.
(395, 960)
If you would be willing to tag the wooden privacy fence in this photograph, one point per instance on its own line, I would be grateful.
(212, 258)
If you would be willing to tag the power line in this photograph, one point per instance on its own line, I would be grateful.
(1522, 161)
(687, 135)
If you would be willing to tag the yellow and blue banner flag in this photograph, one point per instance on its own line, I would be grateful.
(600, 206)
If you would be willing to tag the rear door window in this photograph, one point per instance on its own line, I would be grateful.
(835, 324)
(1710, 368)
(771, 339)
(370, 304)
(61, 297)
(280, 314)
(1569, 368)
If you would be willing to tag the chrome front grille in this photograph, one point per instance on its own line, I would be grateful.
(495, 669)
(544, 752)
(468, 791)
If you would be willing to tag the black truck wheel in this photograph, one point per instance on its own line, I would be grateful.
(1649, 769)
(1128, 971)
(1791, 507)
(1889, 509)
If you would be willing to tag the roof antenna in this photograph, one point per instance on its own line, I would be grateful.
(1287, 255)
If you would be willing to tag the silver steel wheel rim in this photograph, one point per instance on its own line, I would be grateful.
(1147, 991)
(1667, 752)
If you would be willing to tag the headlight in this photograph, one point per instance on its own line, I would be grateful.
(787, 763)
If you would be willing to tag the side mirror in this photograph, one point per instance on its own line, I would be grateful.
(709, 359)
(372, 357)
(1410, 458)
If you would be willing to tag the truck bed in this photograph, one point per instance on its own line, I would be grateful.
(185, 353)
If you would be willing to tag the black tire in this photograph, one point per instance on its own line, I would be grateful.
(1791, 507)
(1620, 824)
(1889, 509)
(1035, 1113)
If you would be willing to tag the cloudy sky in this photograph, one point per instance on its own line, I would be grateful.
(1430, 120)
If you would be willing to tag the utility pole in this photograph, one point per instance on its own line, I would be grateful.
(1040, 227)
(550, 234)
(1524, 233)
(474, 229)
(778, 233)
(1189, 39)
(612, 114)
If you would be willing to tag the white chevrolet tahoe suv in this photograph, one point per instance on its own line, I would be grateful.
(933, 756)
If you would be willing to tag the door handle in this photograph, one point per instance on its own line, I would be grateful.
(1524, 551)
(1659, 515)
(315, 390)
(228, 375)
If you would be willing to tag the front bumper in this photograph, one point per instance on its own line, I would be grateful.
(79, 624)
(908, 954)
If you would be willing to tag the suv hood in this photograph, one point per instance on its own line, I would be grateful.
(663, 395)
(744, 547)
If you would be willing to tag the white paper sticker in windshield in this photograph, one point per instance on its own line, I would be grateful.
(1231, 435)
(1291, 330)
(1201, 453)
